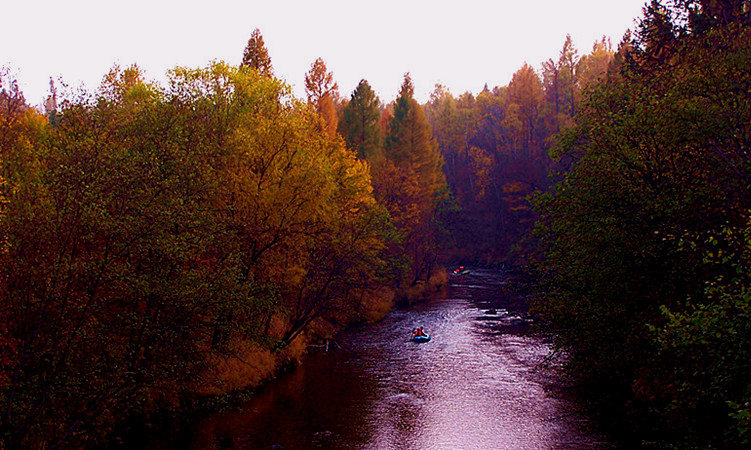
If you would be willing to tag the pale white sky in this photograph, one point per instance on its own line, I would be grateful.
(461, 44)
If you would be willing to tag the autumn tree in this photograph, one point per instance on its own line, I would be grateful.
(523, 110)
(523, 164)
(561, 88)
(293, 197)
(323, 94)
(256, 56)
(592, 68)
(495, 147)
(453, 122)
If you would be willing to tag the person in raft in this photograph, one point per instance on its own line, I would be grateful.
(418, 332)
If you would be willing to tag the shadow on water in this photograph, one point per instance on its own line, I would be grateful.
(481, 382)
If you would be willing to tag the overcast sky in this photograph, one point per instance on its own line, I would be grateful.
(461, 44)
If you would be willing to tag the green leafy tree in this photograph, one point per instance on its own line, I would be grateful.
(705, 344)
(659, 164)
(109, 270)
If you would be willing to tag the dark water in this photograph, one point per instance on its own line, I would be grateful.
(480, 383)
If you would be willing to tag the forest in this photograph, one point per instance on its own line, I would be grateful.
(164, 245)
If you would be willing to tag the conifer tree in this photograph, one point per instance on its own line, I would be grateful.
(256, 56)
(411, 183)
(410, 143)
(359, 125)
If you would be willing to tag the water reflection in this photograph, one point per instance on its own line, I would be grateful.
(479, 383)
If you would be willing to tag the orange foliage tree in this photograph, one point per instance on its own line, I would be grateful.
(323, 94)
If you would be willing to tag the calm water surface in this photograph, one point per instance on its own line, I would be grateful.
(480, 383)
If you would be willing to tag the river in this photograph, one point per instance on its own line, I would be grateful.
(480, 383)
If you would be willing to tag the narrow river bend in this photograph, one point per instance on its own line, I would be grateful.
(480, 383)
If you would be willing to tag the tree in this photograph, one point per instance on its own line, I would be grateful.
(567, 65)
(323, 94)
(523, 109)
(453, 122)
(360, 124)
(592, 68)
(703, 15)
(561, 85)
(412, 152)
(410, 141)
(656, 36)
(108, 270)
(705, 345)
(256, 56)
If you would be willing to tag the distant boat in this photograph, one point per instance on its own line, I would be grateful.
(461, 270)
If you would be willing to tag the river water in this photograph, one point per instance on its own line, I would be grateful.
(480, 383)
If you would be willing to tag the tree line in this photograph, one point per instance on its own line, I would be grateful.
(495, 146)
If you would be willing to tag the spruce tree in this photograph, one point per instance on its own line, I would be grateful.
(410, 143)
(411, 183)
(359, 125)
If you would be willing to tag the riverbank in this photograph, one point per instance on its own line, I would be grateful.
(477, 384)
(235, 378)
